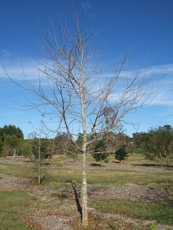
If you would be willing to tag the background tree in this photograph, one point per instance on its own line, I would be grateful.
(35, 140)
(1, 146)
(121, 153)
(12, 134)
(11, 145)
(100, 153)
(112, 143)
(72, 88)
(47, 147)
(25, 148)
(62, 141)
(140, 142)
(10, 130)
(36, 148)
(156, 143)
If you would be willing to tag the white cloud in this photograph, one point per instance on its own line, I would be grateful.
(164, 96)
(17, 70)
(153, 71)
(163, 82)
(157, 71)
(161, 70)
(163, 78)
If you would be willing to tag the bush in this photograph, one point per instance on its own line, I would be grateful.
(1, 146)
(121, 153)
(100, 152)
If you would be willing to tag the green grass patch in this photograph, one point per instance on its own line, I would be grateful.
(99, 176)
(122, 177)
(58, 159)
(18, 170)
(134, 159)
(149, 211)
(12, 204)
(59, 165)
(63, 175)
(60, 196)
(108, 177)
(139, 159)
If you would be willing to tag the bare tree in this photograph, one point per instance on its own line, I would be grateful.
(38, 159)
(72, 88)
(40, 146)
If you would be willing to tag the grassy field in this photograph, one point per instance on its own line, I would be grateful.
(12, 206)
(151, 211)
(14, 203)
(133, 159)
(97, 176)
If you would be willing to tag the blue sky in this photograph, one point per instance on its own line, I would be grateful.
(143, 27)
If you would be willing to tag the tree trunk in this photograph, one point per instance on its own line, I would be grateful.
(84, 188)
(167, 161)
(84, 174)
(39, 162)
(84, 147)
(39, 173)
(14, 152)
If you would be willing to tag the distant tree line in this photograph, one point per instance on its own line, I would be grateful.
(12, 143)
(11, 140)
(155, 144)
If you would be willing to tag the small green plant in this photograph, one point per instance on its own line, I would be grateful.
(59, 165)
(152, 226)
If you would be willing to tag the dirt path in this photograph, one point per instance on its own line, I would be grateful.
(105, 166)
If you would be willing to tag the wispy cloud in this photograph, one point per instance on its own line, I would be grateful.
(5, 53)
(87, 8)
(17, 70)
(163, 78)
(161, 70)
(164, 95)
(163, 83)
(153, 71)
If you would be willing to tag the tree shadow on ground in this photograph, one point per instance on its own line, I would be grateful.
(96, 165)
(153, 165)
(79, 208)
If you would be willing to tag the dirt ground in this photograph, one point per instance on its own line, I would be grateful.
(46, 213)
(77, 164)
